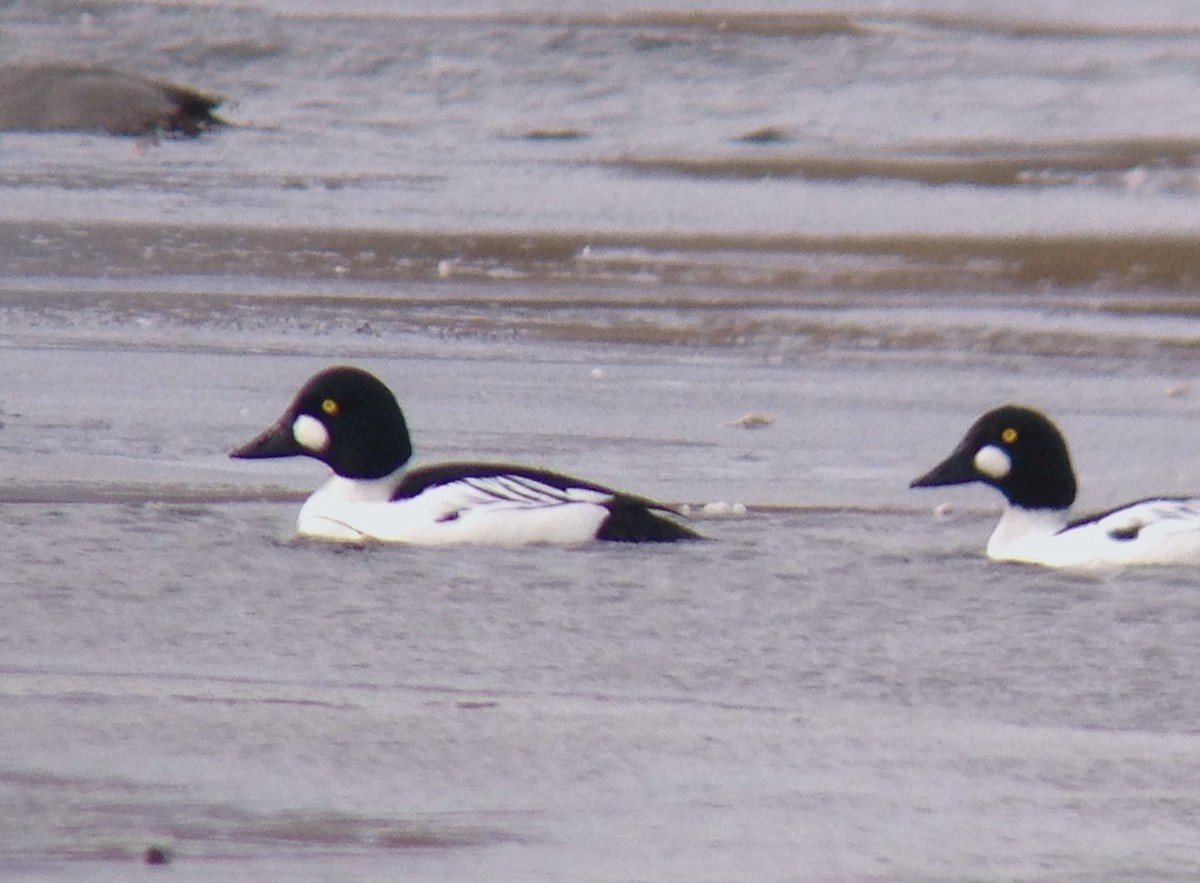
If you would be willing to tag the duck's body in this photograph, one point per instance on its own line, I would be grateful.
(64, 95)
(350, 420)
(1021, 453)
(1154, 531)
(479, 503)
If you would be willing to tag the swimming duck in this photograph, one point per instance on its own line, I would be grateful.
(1022, 454)
(348, 419)
(64, 95)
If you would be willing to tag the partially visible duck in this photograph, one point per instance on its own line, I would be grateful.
(1022, 454)
(62, 96)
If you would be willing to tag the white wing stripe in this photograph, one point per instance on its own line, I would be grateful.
(524, 491)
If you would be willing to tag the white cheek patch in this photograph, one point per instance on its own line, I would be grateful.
(310, 434)
(993, 462)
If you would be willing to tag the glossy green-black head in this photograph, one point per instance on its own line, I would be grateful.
(344, 417)
(1016, 450)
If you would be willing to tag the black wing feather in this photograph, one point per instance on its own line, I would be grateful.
(419, 480)
(631, 519)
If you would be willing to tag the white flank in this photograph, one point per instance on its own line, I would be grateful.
(497, 510)
(1149, 532)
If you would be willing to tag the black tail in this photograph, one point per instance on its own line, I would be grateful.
(632, 521)
(191, 110)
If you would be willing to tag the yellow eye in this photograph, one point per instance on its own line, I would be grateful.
(330, 407)
(1008, 436)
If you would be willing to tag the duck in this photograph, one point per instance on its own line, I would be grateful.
(53, 95)
(348, 419)
(1021, 453)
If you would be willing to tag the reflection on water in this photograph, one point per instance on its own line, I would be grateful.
(1170, 162)
(673, 120)
(829, 682)
(1114, 296)
(547, 262)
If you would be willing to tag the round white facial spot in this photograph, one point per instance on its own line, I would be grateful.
(993, 462)
(310, 433)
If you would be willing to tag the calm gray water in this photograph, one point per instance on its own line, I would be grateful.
(547, 232)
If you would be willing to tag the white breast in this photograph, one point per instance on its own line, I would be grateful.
(1149, 532)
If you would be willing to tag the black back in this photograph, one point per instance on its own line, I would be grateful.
(631, 519)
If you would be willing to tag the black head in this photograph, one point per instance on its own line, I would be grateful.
(1016, 450)
(344, 417)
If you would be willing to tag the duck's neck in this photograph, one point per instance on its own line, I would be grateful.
(1018, 526)
(360, 490)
